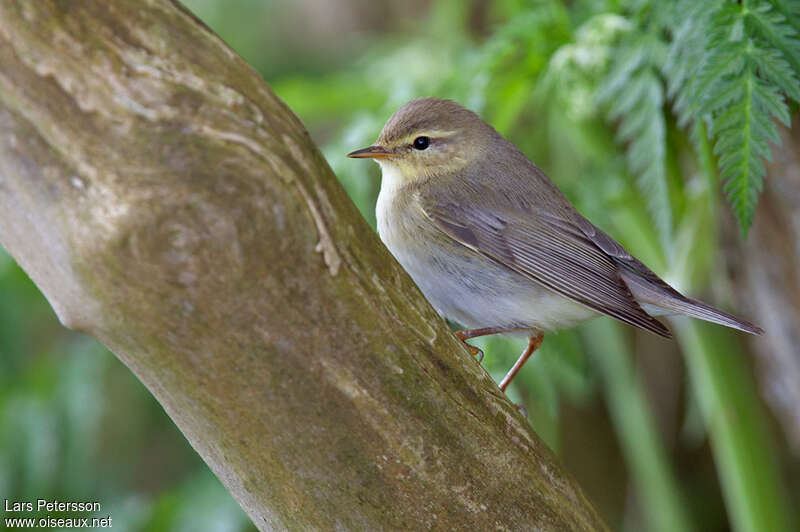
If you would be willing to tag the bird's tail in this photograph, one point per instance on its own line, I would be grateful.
(704, 311)
(666, 300)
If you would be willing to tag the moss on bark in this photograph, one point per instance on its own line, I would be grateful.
(167, 203)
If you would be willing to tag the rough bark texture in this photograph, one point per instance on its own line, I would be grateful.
(167, 203)
(767, 266)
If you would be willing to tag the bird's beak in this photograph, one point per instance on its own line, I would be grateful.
(372, 152)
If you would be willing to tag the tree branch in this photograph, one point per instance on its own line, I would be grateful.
(168, 204)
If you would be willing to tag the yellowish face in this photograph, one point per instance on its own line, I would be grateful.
(420, 154)
(428, 138)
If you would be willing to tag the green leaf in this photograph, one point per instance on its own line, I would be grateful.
(789, 9)
(763, 21)
(741, 144)
(633, 95)
(737, 64)
(772, 67)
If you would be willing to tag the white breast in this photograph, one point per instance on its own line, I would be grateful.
(473, 290)
(391, 180)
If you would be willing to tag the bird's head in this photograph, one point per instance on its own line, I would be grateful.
(428, 138)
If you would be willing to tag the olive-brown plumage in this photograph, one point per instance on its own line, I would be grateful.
(493, 243)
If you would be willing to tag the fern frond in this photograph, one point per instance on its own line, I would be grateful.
(686, 55)
(789, 9)
(749, 64)
(774, 68)
(633, 95)
(770, 25)
(743, 131)
(628, 60)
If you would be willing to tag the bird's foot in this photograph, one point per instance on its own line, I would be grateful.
(466, 334)
(476, 351)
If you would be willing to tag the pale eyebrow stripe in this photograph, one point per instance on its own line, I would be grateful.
(432, 133)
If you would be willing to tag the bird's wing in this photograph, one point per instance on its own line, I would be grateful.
(553, 250)
(620, 255)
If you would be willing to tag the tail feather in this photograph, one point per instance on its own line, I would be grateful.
(704, 311)
(668, 300)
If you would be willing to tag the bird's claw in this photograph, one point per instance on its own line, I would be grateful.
(466, 335)
(476, 351)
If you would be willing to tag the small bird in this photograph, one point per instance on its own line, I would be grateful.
(493, 243)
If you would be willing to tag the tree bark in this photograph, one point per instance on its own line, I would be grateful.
(167, 203)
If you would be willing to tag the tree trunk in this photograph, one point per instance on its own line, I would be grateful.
(168, 204)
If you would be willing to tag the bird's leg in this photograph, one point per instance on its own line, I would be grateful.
(533, 344)
(466, 334)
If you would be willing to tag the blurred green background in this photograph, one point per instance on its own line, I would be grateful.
(685, 435)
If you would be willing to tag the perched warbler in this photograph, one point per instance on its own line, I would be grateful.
(493, 243)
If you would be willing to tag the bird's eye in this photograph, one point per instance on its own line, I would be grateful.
(421, 143)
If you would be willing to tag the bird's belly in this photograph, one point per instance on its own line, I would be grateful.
(477, 292)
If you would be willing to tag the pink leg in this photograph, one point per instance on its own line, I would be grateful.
(466, 334)
(533, 344)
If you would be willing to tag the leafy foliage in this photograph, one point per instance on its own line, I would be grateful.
(735, 65)
(608, 97)
(732, 64)
(633, 95)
